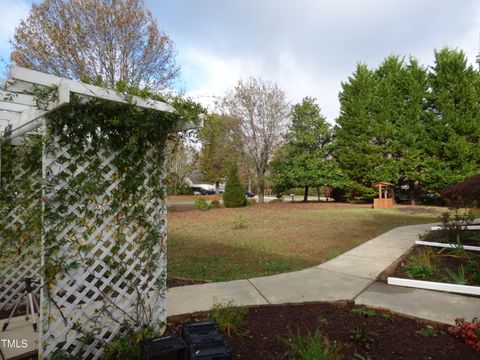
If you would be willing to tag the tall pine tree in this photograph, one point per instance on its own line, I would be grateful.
(357, 154)
(454, 125)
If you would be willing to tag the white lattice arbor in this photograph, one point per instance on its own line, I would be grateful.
(105, 277)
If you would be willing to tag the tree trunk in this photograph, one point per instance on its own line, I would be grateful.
(261, 189)
(217, 187)
(250, 183)
(305, 194)
(411, 191)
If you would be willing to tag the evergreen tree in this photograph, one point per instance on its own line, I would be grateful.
(454, 125)
(399, 115)
(234, 195)
(356, 150)
(304, 160)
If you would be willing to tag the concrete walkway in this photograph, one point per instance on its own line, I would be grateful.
(350, 276)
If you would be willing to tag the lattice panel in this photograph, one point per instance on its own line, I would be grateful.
(112, 276)
(20, 220)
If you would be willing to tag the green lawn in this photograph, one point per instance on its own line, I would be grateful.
(275, 237)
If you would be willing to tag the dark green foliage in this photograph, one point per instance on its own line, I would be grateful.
(305, 159)
(202, 204)
(357, 155)
(407, 125)
(310, 346)
(230, 318)
(234, 195)
(123, 347)
(363, 336)
(453, 128)
(62, 355)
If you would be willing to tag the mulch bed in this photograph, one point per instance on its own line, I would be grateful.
(395, 337)
(445, 259)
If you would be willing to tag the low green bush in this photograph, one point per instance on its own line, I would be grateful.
(422, 265)
(310, 346)
(239, 221)
(230, 318)
(202, 204)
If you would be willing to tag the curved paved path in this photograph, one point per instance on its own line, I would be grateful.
(350, 276)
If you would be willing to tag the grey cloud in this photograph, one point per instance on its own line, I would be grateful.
(327, 39)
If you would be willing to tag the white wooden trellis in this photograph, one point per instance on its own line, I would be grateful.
(80, 294)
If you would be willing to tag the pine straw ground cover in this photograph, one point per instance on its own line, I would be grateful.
(227, 244)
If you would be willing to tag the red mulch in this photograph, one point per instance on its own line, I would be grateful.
(396, 337)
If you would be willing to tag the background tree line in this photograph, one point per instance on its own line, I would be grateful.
(404, 123)
(409, 125)
(401, 122)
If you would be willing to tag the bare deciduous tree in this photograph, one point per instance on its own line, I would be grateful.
(263, 110)
(181, 160)
(111, 40)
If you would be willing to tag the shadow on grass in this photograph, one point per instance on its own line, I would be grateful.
(221, 262)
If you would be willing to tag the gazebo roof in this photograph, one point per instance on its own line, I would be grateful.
(383, 183)
(20, 114)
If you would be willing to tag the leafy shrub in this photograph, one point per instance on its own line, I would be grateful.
(364, 311)
(357, 193)
(230, 318)
(62, 355)
(185, 190)
(421, 266)
(419, 271)
(234, 195)
(215, 204)
(314, 346)
(127, 346)
(428, 331)
(453, 224)
(239, 221)
(468, 331)
(456, 277)
(123, 347)
(202, 204)
(363, 336)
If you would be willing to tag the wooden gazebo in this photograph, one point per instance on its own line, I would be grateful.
(385, 198)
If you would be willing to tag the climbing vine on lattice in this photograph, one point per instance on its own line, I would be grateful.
(104, 219)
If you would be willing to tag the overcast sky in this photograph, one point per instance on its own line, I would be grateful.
(308, 47)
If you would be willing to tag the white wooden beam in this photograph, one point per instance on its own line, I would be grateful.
(35, 77)
(9, 116)
(469, 227)
(447, 246)
(8, 106)
(9, 97)
(31, 117)
(433, 285)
